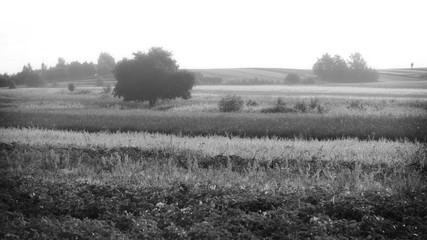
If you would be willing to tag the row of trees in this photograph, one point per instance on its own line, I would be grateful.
(60, 72)
(336, 69)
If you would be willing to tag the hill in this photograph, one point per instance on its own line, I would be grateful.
(389, 78)
(230, 75)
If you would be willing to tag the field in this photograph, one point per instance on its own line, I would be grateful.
(351, 164)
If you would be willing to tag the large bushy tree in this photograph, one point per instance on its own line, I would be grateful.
(151, 76)
(336, 69)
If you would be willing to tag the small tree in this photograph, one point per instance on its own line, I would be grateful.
(71, 87)
(12, 84)
(106, 64)
(152, 76)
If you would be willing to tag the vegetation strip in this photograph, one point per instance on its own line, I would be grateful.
(242, 125)
(35, 208)
(263, 149)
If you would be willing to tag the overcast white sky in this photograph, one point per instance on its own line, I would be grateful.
(214, 34)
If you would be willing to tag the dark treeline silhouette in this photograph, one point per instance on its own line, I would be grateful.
(336, 69)
(62, 71)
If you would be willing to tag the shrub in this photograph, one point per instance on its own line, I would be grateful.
(35, 80)
(301, 107)
(231, 103)
(292, 78)
(12, 84)
(99, 81)
(356, 104)
(71, 87)
(315, 105)
(251, 103)
(279, 107)
(107, 89)
(314, 102)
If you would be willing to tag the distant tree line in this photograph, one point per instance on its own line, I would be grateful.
(62, 71)
(336, 69)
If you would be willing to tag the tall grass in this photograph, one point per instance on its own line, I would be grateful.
(306, 126)
(264, 149)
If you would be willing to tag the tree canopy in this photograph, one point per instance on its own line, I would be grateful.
(106, 64)
(151, 76)
(336, 69)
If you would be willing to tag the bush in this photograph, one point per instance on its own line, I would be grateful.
(251, 103)
(35, 80)
(356, 105)
(107, 89)
(71, 87)
(231, 103)
(279, 107)
(292, 78)
(99, 81)
(301, 107)
(314, 102)
(12, 84)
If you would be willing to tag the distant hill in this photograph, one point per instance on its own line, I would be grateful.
(229, 75)
(389, 78)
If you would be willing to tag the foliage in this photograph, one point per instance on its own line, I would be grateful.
(107, 89)
(336, 69)
(21, 77)
(152, 76)
(35, 80)
(71, 87)
(231, 103)
(251, 103)
(356, 105)
(12, 84)
(79, 71)
(301, 106)
(4, 80)
(292, 78)
(279, 107)
(106, 64)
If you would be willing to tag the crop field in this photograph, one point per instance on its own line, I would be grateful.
(343, 162)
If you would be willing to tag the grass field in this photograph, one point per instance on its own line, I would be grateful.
(85, 165)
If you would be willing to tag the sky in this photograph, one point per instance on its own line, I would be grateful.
(214, 34)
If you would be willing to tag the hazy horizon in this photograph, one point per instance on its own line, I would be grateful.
(214, 34)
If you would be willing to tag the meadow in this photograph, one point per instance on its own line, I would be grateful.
(86, 165)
